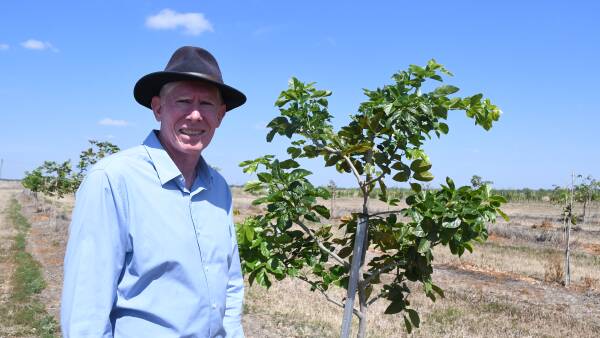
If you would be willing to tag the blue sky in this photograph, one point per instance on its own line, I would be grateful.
(68, 69)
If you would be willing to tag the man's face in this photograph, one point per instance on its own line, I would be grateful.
(189, 113)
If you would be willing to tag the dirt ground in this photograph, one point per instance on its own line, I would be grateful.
(7, 233)
(488, 293)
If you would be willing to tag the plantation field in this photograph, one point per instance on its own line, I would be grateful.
(509, 287)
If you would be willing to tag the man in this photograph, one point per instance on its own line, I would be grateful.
(152, 249)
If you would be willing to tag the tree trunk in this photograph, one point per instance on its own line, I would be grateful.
(361, 231)
(583, 220)
(568, 236)
(362, 299)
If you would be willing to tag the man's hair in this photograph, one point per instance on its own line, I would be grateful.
(168, 87)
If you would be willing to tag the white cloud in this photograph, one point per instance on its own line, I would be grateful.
(193, 23)
(38, 45)
(110, 122)
(263, 30)
(4, 46)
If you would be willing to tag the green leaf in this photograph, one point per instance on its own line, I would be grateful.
(345, 252)
(451, 224)
(443, 128)
(249, 233)
(414, 317)
(321, 210)
(445, 90)
(311, 217)
(450, 183)
(416, 187)
(253, 186)
(402, 176)
(299, 173)
(419, 232)
(475, 99)
(368, 292)
(438, 290)
(424, 245)
(408, 325)
(288, 164)
(420, 165)
(425, 176)
(357, 148)
(264, 250)
(332, 160)
(504, 216)
(394, 307)
(271, 134)
(264, 177)
(294, 152)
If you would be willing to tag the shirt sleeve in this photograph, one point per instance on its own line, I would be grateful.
(93, 260)
(232, 322)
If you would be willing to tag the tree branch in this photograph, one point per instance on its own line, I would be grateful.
(374, 299)
(386, 212)
(378, 272)
(321, 246)
(331, 300)
(355, 172)
(382, 175)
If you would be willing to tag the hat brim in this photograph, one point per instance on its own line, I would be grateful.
(149, 86)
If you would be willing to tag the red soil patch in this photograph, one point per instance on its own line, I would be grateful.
(593, 249)
(493, 273)
(39, 218)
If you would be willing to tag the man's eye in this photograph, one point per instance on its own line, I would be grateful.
(183, 101)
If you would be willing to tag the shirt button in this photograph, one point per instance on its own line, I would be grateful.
(206, 268)
(214, 306)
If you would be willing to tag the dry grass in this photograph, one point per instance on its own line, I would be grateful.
(498, 291)
(506, 288)
(554, 272)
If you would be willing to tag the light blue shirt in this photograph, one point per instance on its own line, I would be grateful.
(147, 257)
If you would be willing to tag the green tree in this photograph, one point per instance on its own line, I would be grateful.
(33, 181)
(585, 192)
(58, 179)
(383, 139)
(90, 156)
(477, 181)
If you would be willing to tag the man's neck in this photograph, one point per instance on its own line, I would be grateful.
(186, 164)
(188, 169)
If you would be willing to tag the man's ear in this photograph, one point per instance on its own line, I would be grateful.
(221, 114)
(155, 104)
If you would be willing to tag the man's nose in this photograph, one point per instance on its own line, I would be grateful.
(196, 114)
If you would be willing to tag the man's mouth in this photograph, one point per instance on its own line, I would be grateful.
(192, 132)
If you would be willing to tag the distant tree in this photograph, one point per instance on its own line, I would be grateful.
(90, 156)
(34, 181)
(333, 190)
(58, 179)
(477, 181)
(585, 192)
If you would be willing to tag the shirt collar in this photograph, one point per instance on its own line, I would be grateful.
(166, 168)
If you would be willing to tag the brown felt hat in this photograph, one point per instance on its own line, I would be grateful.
(187, 64)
